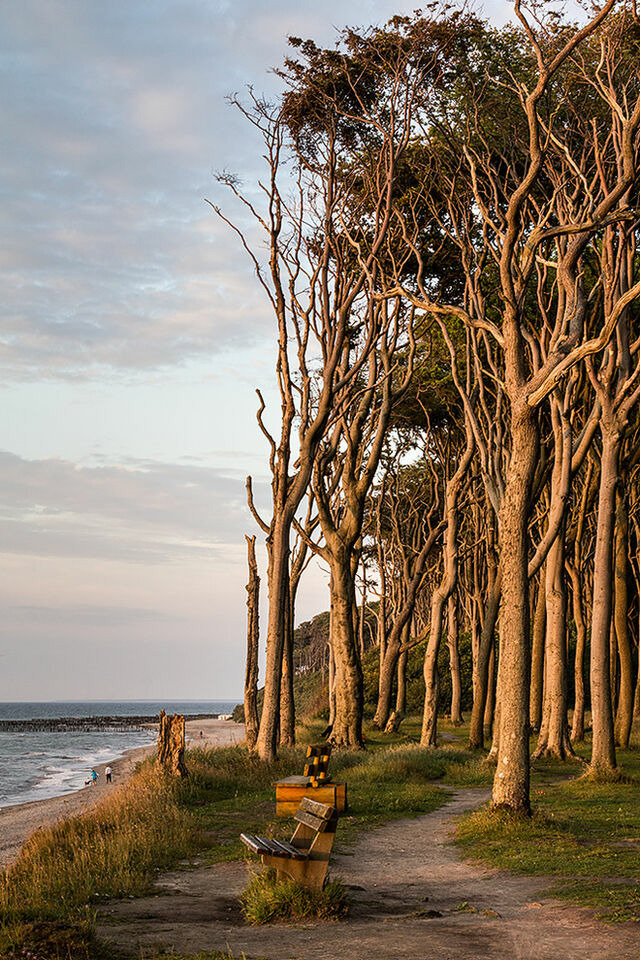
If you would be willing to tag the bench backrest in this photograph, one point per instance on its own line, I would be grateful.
(317, 761)
(318, 816)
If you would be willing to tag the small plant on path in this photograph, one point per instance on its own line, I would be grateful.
(268, 899)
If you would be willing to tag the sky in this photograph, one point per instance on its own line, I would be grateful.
(132, 338)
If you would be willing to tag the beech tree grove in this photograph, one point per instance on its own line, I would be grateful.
(450, 225)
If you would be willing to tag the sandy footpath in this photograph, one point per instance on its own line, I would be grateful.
(20, 821)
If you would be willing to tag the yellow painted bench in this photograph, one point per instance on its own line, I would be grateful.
(305, 857)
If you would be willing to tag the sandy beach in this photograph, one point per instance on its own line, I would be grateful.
(20, 821)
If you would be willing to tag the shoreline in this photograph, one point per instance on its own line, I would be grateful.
(20, 820)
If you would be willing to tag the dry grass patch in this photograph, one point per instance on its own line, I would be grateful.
(270, 900)
(110, 851)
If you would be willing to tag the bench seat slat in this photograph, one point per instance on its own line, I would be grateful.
(288, 850)
(254, 843)
(273, 848)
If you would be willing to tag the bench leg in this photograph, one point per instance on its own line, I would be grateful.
(309, 873)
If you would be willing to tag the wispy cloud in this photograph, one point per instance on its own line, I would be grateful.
(139, 511)
(113, 118)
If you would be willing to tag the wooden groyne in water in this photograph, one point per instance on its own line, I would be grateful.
(87, 724)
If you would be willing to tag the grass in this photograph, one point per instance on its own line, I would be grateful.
(268, 899)
(583, 834)
(54, 940)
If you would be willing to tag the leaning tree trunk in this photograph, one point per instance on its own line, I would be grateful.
(441, 594)
(251, 720)
(429, 736)
(397, 716)
(537, 658)
(388, 662)
(347, 726)
(511, 782)
(603, 754)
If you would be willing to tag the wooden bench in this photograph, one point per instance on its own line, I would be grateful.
(315, 783)
(306, 857)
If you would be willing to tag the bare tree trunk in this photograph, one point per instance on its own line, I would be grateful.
(481, 687)
(603, 756)
(396, 718)
(394, 638)
(554, 735)
(577, 727)
(454, 662)
(287, 702)
(613, 650)
(624, 716)
(347, 726)
(490, 705)
(401, 693)
(382, 628)
(636, 698)
(251, 719)
(332, 688)
(429, 737)
(492, 756)
(511, 783)
(278, 581)
(362, 618)
(442, 593)
(537, 658)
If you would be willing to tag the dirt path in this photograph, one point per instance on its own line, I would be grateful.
(408, 886)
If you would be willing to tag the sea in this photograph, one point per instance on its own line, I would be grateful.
(37, 764)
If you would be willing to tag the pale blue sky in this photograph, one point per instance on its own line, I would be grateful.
(132, 338)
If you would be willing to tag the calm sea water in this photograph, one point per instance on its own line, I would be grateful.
(39, 764)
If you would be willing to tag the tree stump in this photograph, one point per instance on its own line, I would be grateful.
(171, 744)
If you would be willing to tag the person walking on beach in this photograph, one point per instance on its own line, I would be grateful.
(94, 778)
(107, 773)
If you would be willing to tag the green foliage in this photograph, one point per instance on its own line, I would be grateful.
(415, 679)
(237, 715)
(268, 899)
